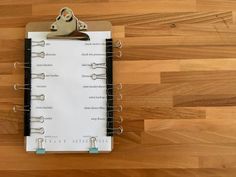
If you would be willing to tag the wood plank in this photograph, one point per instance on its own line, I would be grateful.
(215, 5)
(197, 76)
(120, 7)
(140, 101)
(197, 131)
(204, 40)
(8, 127)
(131, 68)
(203, 172)
(216, 161)
(191, 125)
(12, 33)
(12, 140)
(15, 10)
(179, 30)
(177, 52)
(11, 2)
(30, 161)
(152, 112)
(155, 91)
(204, 100)
(220, 112)
(10, 80)
(11, 56)
(137, 78)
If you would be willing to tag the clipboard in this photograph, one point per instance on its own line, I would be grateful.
(68, 27)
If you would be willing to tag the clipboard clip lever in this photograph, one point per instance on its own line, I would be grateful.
(67, 26)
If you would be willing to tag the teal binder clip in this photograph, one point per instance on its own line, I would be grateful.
(40, 149)
(93, 149)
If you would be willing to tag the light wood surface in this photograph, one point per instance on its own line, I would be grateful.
(179, 89)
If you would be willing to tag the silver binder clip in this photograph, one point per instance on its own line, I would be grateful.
(21, 65)
(37, 130)
(119, 120)
(98, 65)
(117, 130)
(38, 55)
(67, 26)
(21, 108)
(118, 108)
(21, 86)
(37, 119)
(117, 87)
(116, 44)
(38, 43)
(118, 54)
(38, 76)
(38, 97)
(96, 76)
(117, 97)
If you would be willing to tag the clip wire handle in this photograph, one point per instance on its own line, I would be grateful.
(27, 92)
(109, 85)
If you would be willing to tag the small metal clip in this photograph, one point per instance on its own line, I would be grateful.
(38, 55)
(118, 97)
(40, 149)
(110, 89)
(118, 86)
(119, 121)
(37, 119)
(93, 149)
(67, 26)
(96, 76)
(21, 108)
(37, 130)
(38, 43)
(21, 86)
(118, 54)
(117, 44)
(119, 130)
(21, 65)
(98, 65)
(38, 97)
(117, 109)
(38, 76)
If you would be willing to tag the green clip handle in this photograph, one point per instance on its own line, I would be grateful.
(93, 150)
(40, 151)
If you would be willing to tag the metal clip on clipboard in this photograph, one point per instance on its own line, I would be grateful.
(67, 26)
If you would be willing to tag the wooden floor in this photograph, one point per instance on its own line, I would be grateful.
(179, 95)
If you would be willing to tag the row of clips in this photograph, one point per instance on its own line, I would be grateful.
(111, 109)
(114, 92)
(114, 126)
(93, 149)
(42, 54)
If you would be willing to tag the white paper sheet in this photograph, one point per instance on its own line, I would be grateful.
(74, 108)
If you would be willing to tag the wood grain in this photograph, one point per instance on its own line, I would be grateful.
(179, 89)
